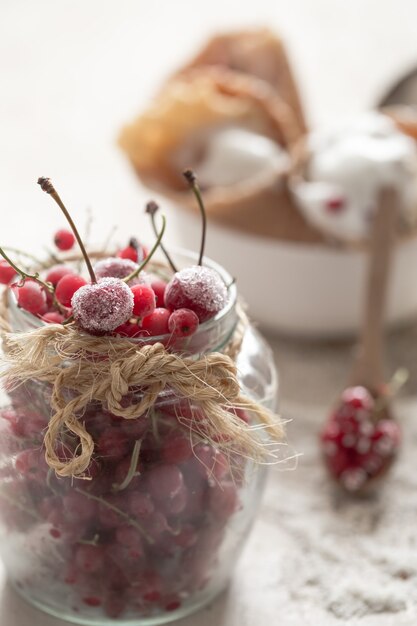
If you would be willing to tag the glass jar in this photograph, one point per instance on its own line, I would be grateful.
(156, 530)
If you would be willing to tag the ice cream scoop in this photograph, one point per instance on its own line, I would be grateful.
(233, 155)
(346, 167)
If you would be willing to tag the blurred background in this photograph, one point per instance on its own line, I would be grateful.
(71, 74)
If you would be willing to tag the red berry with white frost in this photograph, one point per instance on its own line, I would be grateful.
(198, 288)
(31, 297)
(157, 322)
(144, 300)
(183, 323)
(114, 268)
(67, 286)
(357, 444)
(64, 239)
(57, 272)
(7, 272)
(103, 306)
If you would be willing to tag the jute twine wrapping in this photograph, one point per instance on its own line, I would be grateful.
(81, 368)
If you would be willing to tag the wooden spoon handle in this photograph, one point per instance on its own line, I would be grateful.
(369, 365)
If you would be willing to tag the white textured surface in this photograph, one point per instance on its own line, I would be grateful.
(70, 73)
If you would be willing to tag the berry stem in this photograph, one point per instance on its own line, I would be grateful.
(191, 179)
(48, 187)
(151, 209)
(132, 467)
(26, 254)
(24, 275)
(150, 255)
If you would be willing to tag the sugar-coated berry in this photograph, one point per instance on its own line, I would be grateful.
(53, 317)
(57, 272)
(114, 267)
(103, 306)
(67, 286)
(128, 253)
(31, 297)
(134, 251)
(7, 273)
(183, 323)
(159, 287)
(64, 239)
(157, 322)
(198, 288)
(143, 300)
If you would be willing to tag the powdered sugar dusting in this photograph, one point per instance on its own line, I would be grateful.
(104, 306)
(119, 268)
(198, 288)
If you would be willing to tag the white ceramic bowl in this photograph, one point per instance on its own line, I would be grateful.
(302, 289)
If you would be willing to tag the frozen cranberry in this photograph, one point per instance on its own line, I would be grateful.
(67, 286)
(157, 322)
(140, 504)
(186, 537)
(212, 462)
(31, 464)
(89, 558)
(103, 306)
(57, 272)
(183, 323)
(31, 297)
(78, 507)
(223, 500)
(197, 288)
(113, 444)
(159, 287)
(165, 481)
(7, 273)
(143, 300)
(53, 317)
(176, 449)
(129, 537)
(64, 239)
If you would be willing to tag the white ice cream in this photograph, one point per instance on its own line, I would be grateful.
(348, 166)
(233, 155)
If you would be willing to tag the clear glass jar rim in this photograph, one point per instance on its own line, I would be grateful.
(204, 327)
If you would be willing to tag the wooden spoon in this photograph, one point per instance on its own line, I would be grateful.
(368, 369)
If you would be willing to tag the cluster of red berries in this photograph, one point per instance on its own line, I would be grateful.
(143, 534)
(119, 298)
(359, 442)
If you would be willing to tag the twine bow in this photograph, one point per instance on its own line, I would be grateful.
(81, 369)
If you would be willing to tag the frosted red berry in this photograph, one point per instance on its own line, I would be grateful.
(7, 273)
(144, 301)
(53, 317)
(183, 323)
(198, 288)
(31, 297)
(159, 287)
(103, 306)
(134, 251)
(157, 322)
(57, 272)
(67, 286)
(114, 267)
(64, 239)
